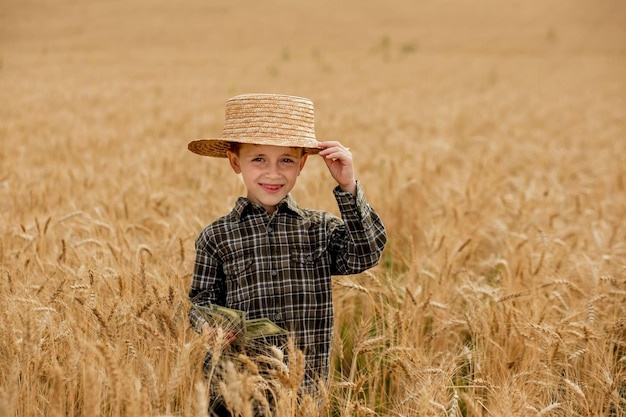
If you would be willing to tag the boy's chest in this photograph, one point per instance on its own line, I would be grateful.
(278, 241)
(278, 233)
(265, 261)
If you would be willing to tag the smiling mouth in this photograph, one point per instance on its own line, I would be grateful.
(272, 188)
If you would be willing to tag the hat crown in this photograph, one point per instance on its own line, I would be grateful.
(269, 116)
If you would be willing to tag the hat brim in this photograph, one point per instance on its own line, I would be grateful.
(217, 147)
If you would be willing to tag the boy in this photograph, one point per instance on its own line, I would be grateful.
(269, 257)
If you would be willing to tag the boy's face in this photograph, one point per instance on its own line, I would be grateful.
(269, 172)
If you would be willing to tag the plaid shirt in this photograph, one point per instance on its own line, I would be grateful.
(280, 266)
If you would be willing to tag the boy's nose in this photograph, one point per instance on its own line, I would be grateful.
(273, 171)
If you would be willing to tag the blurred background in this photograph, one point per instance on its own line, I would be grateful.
(159, 71)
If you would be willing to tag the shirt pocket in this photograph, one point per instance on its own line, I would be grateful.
(304, 256)
(312, 284)
(308, 259)
(239, 282)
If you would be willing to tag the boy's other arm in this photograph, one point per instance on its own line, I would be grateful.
(206, 284)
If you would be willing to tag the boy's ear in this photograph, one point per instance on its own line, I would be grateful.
(234, 161)
(302, 161)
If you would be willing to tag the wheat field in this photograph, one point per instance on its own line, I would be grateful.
(490, 136)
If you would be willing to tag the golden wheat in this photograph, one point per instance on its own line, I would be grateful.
(490, 138)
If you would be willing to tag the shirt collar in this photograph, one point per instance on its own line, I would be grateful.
(289, 203)
(243, 206)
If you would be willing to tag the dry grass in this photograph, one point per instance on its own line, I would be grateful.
(490, 137)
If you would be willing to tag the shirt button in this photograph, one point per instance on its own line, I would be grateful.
(277, 316)
(270, 230)
(274, 273)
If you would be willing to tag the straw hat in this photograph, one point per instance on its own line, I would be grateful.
(263, 119)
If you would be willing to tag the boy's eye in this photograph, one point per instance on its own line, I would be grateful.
(287, 160)
(258, 159)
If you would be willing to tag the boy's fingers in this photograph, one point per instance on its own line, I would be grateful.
(335, 149)
(337, 154)
(331, 148)
(331, 144)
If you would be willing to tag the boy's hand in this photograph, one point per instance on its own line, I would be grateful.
(219, 335)
(339, 162)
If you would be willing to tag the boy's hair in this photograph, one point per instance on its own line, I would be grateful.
(235, 147)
